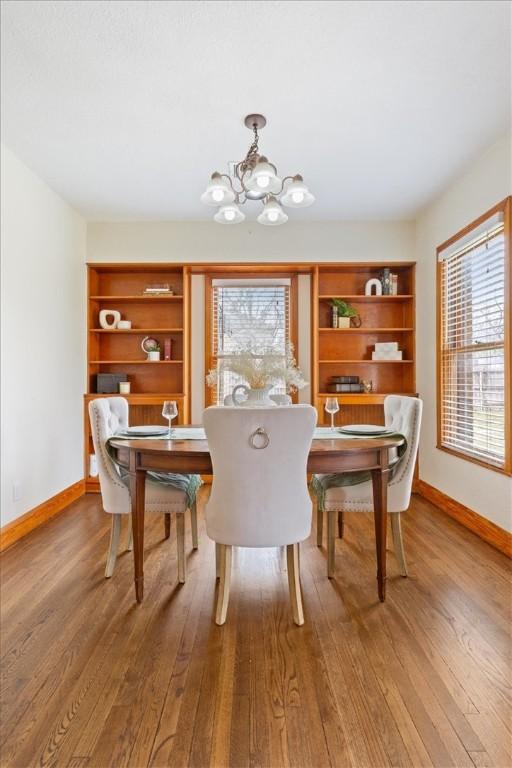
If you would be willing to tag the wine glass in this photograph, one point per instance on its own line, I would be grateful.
(170, 411)
(332, 406)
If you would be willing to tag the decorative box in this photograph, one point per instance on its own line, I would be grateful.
(345, 379)
(390, 355)
(386, 346)
(108, 383)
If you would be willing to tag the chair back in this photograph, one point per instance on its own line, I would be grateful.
(107, 416)
(403, 414)
(259, 496)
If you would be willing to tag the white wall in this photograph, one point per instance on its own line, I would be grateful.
(486, 183)
(43, 340)
(202, 241)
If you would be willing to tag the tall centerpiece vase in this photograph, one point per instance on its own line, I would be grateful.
(256, 397)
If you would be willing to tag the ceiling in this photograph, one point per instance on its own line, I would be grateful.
(125, 108)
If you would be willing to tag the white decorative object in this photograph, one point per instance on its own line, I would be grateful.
(343, 322)
(124, 387)
(386, 346)
(392, 355)
(154, 354)
(124, 325)
(255, 398)
(370, 285)
(105, 314)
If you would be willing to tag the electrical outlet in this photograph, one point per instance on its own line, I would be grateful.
(16, 491)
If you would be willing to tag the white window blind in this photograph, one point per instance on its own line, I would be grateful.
(248, 313)
(472, 352)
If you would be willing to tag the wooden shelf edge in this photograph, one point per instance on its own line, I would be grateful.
(366, 330)
(363, 297)
(136, 330)
(138, 297)
(136, 362)
(363, 362)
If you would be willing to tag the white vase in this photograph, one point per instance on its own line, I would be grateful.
(256, 398)
(154, 354)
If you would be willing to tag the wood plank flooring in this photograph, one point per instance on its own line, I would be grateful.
(91, 680)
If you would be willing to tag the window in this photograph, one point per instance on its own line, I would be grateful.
(252, 313)
(473, 343)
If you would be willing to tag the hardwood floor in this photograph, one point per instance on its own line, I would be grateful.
(91, 680)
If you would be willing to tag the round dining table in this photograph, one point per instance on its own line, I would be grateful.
(193, 456)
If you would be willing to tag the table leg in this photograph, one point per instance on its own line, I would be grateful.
(138, 494)
(380, 513)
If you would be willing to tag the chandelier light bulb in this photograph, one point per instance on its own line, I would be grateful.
(229, 214)
(218, 191)
(297, 195)
(272, 214)
(263, 181)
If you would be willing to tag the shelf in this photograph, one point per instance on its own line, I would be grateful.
(365, 330)
(365, 395)
(136, 330)
(362, 297)
(364, 362)
(136, 362)
(139, 298)
(138, 397)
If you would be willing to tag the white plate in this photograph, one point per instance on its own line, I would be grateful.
(364, 429)
(145, 431)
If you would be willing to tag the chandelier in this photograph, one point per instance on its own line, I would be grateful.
(255, 178)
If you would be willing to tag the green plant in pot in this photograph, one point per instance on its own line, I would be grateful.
(344, 314)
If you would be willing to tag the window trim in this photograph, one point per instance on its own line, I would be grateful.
(504, 207)
(209, 277)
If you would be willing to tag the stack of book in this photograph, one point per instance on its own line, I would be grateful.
(345, 384)
(389, 282)
(157, 289)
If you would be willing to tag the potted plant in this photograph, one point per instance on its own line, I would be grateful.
(153, 352)
(342, 314)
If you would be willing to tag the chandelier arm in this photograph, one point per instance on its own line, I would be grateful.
(286, 178)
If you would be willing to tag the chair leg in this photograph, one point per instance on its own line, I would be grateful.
(331, 542)
(292, 557)
(225, 578)
(129, 537)
(180, 542)
(167, 525)
(319, 525)
(115, 531)
(217, 560)
(396, 529)
(341, 524)
(193, 524)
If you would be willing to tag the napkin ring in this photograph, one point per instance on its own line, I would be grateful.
(259, 439)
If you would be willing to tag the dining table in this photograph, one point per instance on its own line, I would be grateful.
(192, 456)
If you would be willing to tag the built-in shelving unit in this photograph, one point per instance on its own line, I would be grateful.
(348, 351)
(120, 287)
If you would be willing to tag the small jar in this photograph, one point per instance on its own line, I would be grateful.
(124, 387)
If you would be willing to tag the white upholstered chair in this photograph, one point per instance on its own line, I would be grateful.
(259, 496)
(403, 415)
(109, 415)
